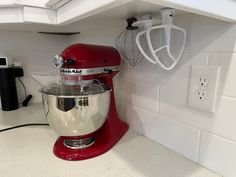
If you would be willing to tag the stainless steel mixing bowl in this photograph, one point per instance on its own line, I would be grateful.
(74, 113)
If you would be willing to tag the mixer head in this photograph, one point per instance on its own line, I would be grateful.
(81, 63)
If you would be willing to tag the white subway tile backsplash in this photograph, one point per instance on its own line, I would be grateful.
(181, 75)
(47, 43)
(121, 89)
(35, 52)
(207, 34)
(218, 154)
(148, 72)
(124, 70)
(99, 37)
(20, 89)
(173, 104)
(179, 137)
(122, 109)
(225, 42)
(31, 41)
(42, 61)
(144, 94)
(33, 88)
(227, 62)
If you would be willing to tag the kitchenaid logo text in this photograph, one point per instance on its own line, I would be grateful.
(71, 71)
(88, 71)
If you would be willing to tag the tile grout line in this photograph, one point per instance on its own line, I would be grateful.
(227, 97)
(128, 119)
(219, 136)
(145, 109)
(189, 125)
(198, 146)
(208, 59)
(165, 117)
(195, 153)
(158, 98)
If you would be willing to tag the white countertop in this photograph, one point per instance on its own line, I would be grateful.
(27, 152)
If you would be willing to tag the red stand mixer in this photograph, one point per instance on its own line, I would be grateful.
(81, 107)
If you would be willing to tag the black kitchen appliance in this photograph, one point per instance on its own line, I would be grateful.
(8, 89)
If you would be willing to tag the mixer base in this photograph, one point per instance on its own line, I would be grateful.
(78, 143)
(104, 139)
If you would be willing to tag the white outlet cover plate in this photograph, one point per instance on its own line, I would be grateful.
(206, 103)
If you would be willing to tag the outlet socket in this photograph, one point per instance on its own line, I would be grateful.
(203, 80)
(203, 87)
(201, 94)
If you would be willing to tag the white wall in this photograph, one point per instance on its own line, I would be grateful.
(35, 52)
(155, 102)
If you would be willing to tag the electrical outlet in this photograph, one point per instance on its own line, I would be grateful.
(203, 80)
(201, 94)
(203, 87)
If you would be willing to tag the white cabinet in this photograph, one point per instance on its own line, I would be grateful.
(79, 9)
(63, 12)
(35, 3)
(223, 10)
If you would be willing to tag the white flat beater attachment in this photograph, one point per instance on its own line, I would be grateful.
(167, 26)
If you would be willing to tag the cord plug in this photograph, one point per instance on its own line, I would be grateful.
(27, 100)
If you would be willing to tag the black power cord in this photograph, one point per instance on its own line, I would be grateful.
(24, 125)
(23, 86)
(27, 98)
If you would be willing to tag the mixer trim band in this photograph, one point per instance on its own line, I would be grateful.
(89, 71)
